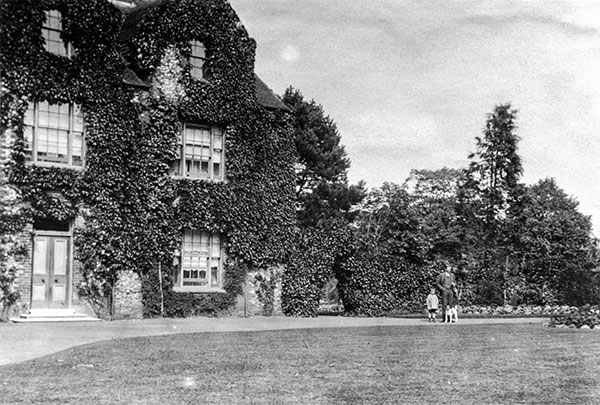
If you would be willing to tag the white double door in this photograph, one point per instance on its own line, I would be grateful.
(51, 272)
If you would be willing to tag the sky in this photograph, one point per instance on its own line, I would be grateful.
(409, 84)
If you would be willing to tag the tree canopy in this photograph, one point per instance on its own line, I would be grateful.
(322, 189)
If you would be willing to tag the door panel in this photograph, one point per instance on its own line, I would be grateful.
(50, 272)
(59, 293)
(39, 255)
(38, 293)
(60, 257)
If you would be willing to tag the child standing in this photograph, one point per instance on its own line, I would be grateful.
(432, 305)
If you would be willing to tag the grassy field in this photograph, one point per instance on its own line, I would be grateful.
(458, 364)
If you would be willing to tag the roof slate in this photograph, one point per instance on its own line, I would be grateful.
(129, 77)
(266, 97)
(132, 17)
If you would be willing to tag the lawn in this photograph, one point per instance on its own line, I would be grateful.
(458, 364)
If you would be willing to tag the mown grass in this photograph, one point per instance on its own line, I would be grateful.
(458, 364)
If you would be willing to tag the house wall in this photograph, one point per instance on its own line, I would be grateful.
(23, 282)
(136, 207)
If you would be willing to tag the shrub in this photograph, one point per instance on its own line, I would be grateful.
(586, 315)
(319, 251)
(373, 283)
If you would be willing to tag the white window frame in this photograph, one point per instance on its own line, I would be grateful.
(212, 153)
(191, 261)
(197, 60)
(33, 132)
(47, 29)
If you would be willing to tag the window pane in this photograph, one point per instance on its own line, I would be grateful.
(53, 20)
(58, 137)
(51, 33)
(197, 268)
(77, 118)
(198, 50)
(28, 137)
(218, 142)
(214, 274)
(196, 70)
(28, 121)
(52, 146)
(43, 119)
(77, 154)
(203, 149)
(216, 247)
(28, 118)
(197, 59)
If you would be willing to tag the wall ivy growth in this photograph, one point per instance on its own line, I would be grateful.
(134, 209)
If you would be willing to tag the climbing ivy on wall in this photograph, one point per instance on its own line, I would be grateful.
(134, 210)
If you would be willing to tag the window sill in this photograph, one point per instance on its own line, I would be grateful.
(198, 290)
(49, 164)
(196, 178)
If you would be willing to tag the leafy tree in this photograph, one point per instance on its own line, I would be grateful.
(322, 189)
(389, 269)
(555, 248)
(485, 195)
(387, 219)
(323, 198)
(495, 167)
(434, 200)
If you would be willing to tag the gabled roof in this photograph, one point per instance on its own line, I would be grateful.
(133, 15)
(129, 77)
(266, 97)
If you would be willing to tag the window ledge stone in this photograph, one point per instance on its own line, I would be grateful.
(198, 290)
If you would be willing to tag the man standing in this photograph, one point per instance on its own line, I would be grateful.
(445, 282)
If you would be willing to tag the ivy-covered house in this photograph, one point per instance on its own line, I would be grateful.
(148, 163)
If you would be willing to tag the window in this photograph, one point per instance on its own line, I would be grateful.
(54, 134)
(201, 152)
(51, 31)
(197, 59)
(200, 261)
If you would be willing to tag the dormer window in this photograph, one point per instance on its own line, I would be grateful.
(197, 59)
(51, 31)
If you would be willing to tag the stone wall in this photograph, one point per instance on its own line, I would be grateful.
(23, 280)
(127, 297)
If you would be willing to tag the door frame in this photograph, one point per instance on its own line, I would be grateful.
(69, 278)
